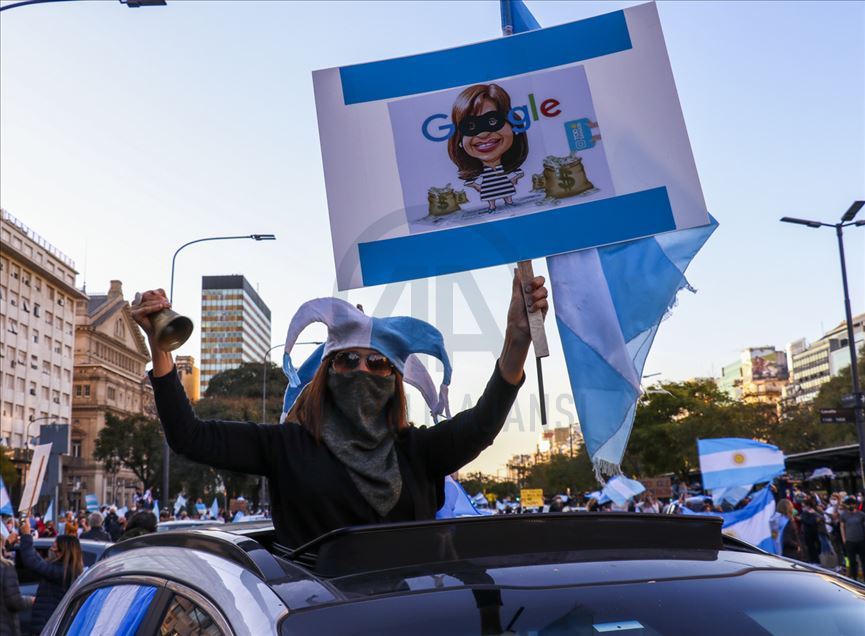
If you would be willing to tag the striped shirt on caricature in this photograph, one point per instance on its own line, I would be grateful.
(494, 183)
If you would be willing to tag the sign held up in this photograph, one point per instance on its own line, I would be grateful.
(541, 143)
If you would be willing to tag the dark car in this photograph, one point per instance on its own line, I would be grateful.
(575, 573)
(29, 581)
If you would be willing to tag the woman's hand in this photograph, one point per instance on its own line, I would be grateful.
(24, 527)
(518, 336)
(142, 307)
(148, 303)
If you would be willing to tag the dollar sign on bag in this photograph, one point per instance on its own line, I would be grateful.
(566, 181)
(443, 203)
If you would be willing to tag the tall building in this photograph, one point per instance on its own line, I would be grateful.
(759, 375)
(110, 378)
(235, 325)
(38, 300)
(190, 376)
(812, 366)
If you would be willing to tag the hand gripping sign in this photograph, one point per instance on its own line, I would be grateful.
(541, 143)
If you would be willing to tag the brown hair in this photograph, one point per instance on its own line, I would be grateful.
(310, 408)
(785, 507)
(467, 104)
(69, 554)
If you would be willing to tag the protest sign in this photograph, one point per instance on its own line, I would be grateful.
(661, 486)
(531, 497)
(35, 475)
(542, 143)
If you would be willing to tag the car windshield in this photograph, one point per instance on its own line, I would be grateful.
(751, 602)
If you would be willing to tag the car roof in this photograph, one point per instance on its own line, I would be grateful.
(586, 549)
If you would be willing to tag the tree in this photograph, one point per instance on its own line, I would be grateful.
(7, 468)
(135, 443)
(563, 472)
(245, 382)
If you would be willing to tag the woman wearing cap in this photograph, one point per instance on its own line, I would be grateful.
(346, 454)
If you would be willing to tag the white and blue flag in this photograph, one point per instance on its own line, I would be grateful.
(751, 523)
(117, 610)
(214, 509)
(609, 303)
(457, 502)
(732, 495)
(49, 514)
(238, 516)
(91, 501)
(598, 496)
(620, 489)
(5, 502)
(179, 503)
(731, 461)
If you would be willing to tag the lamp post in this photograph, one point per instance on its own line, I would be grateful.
(859, 399)
(132, 4)
(255, 237)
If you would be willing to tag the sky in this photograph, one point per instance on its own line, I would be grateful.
(125, 133)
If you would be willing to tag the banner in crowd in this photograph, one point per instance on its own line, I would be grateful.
(35, 476)
(542, 143)
(732, 461)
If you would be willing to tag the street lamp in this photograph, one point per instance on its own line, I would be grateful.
(132, 4)
(254, 237)
(859, 405)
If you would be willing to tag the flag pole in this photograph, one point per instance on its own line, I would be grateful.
(525, 269)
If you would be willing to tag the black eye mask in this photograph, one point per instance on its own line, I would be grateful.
(490, 121)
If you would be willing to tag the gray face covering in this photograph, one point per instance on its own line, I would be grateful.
(355, 430)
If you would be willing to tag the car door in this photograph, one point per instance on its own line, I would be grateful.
(138, 606)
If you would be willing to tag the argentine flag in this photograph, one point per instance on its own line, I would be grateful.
(5, 502)
(91, 502)
(609, 302)
(214, 509)
(457, 502)
(730, 461)
(179, 503)
(751, 523)
(619, 489)
(732, 495)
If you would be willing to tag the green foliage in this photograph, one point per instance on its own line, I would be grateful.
(563, 472)
(7, 469)
(133, 442)
(238, 392)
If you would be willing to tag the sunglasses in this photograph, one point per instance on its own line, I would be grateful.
(350, 360)
(488, 122)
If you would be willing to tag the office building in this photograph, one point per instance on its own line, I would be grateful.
(38, 300)
(813, 365)
(235, 325)
(190, 376)
(759, 375)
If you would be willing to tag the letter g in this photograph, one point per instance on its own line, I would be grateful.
(447, 129)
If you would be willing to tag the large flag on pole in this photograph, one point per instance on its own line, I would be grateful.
(731, 461)
(5, 502)
(609, 303)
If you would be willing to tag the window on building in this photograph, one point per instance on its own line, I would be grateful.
(37, 310)
(34, 363)
(19, 385)
(119, 329)
(76, 448)
(13, 326)
(112, 394)
(49, 318)
(36, 336)
(32, 389)
(25, 305)
(87, 390)
(77, 390)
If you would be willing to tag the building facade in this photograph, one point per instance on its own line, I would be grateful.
(38, 301)
(814, 365)
(235, 325)
(760, 375)
(190, 376)
(110, 378)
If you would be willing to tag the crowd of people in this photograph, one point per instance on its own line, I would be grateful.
(63, 563)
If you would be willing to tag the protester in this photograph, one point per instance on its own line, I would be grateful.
(58, 572)
(142, 522)
(811, 520)
(11, 599)
(96, 531)
(853, 535)
(786, 532)
(649, 503)
(347, 455)
(111, 525)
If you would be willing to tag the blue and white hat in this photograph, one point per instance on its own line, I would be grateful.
(398, 338)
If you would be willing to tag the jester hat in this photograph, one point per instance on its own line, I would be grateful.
(398, 338)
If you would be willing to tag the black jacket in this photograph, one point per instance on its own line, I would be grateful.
(312, 491)
(11, 601)
(96, 534)
(51, 588)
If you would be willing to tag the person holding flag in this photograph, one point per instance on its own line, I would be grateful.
(347, 454)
